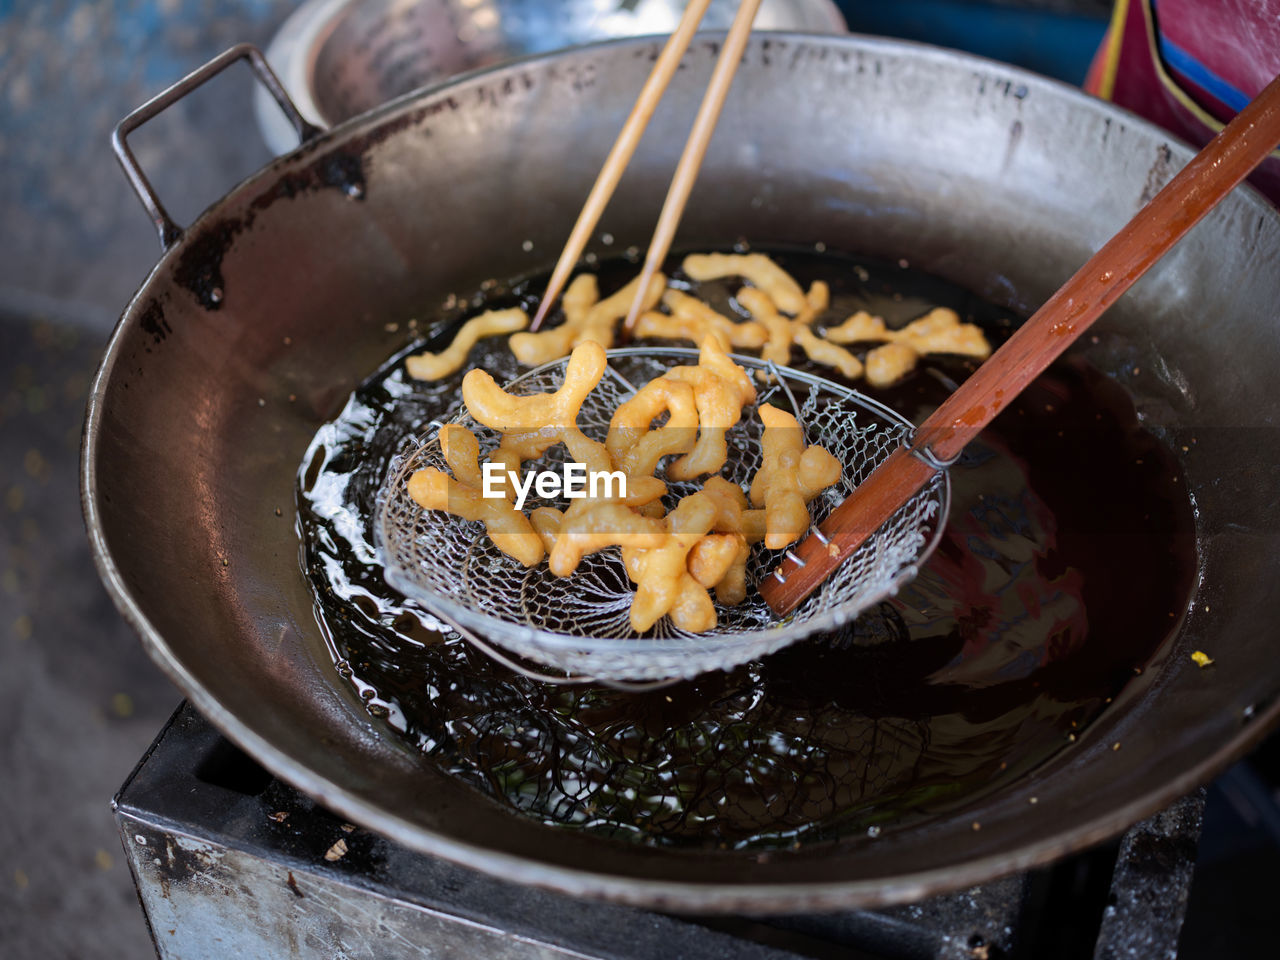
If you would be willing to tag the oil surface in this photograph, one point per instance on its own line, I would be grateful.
(1067, 561)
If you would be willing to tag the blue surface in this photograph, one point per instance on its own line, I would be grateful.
(1202, 76)
(1058, 45)
(1195, 71)
(74, 236)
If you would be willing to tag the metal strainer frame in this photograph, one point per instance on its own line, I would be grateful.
(403, 528)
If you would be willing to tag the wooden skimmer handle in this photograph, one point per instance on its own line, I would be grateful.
(1198, 188)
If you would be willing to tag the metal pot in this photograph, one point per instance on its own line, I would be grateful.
(260, 318)
(339, 58)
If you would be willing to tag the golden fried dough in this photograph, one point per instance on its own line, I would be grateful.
(720, 561)
(659, 572)
(508, 528)
(761, 271)
(721, 388)
(938, 331)
(701, 316)
(544, 346)
(859, 328)
(829, 354)
(598, 526)
(637, 449)
(489, 404)
(509, 461)
(693, 610)
(733, 517)
(713, 555)
(706, 542)
(765, 312)
(602, 319)
(652, 325)
(461, 452)
(546, 523)
(790, 475)
(729, 500)
(816, 302)
(889, 363)
(491, 323)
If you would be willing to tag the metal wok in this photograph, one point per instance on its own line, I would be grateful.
(262, 316)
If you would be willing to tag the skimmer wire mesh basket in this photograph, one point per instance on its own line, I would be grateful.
(580, 624)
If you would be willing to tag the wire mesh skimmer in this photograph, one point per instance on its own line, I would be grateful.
(580, 624)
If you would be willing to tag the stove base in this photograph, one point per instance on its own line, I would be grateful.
(229, 861)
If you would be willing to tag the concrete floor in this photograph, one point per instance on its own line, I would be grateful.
(79, 700)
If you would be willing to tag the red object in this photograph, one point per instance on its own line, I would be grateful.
(1190, 65)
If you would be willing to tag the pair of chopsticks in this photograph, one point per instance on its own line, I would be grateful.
(686, 174)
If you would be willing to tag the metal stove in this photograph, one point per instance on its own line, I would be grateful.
(229, 861)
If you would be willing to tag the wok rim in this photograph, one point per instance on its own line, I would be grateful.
(663, 894)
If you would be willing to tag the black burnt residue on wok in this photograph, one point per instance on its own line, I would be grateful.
(199, 269)
(1067, 561)
(341, 168)
(153, 322)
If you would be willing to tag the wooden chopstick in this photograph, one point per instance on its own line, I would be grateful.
(695, 150)
(620, 155)
(1210, 175)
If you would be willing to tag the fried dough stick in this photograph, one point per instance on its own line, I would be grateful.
(505, 412)
(663, 582)
(508, 528)
(757, 268)
(491, 323)
(790, 475)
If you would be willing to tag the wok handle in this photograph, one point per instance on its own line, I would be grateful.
(170, 232)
